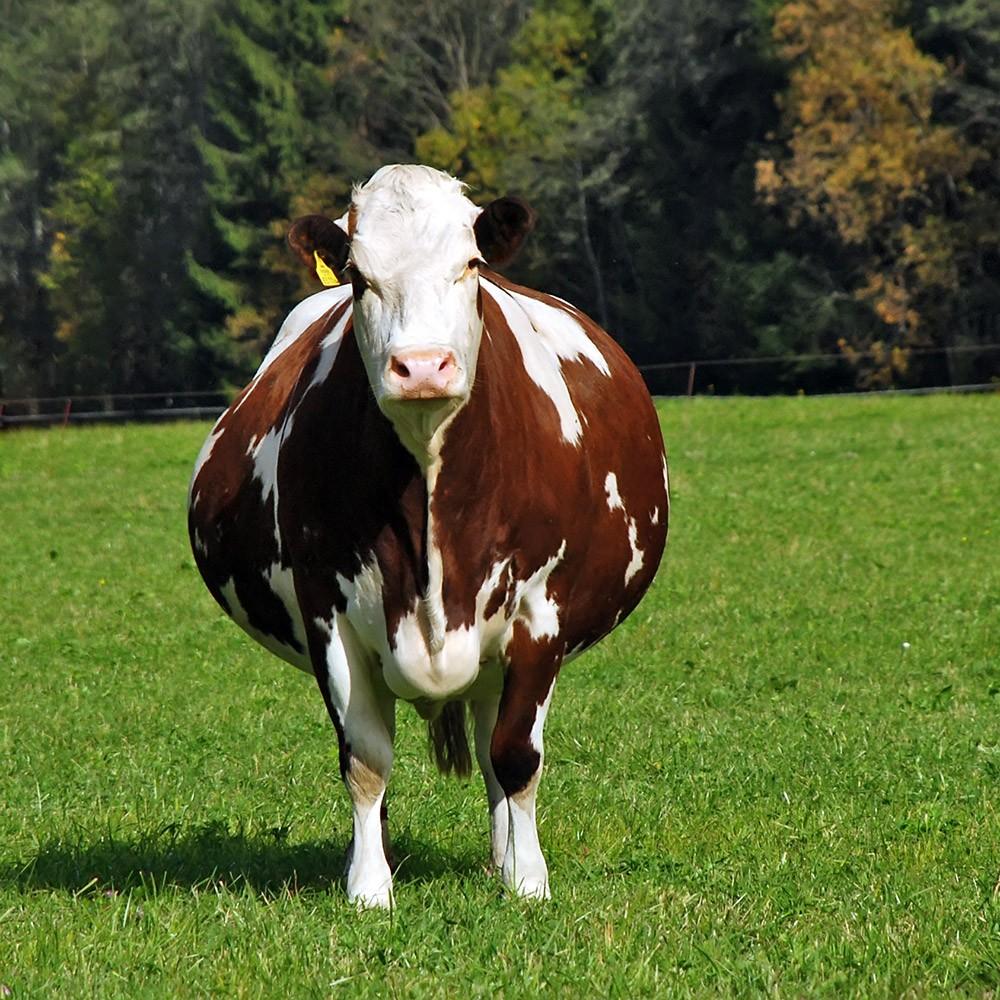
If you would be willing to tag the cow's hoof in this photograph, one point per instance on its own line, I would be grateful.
(372, 893)
(529, 885)
(533, 889)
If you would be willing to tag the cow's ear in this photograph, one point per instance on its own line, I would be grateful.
(501, 228)
(316, 235)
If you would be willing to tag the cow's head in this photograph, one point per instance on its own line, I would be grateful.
(411, 245)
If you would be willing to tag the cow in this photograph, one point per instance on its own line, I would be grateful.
(439, 487)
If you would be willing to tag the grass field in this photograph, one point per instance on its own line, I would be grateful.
(781, 776)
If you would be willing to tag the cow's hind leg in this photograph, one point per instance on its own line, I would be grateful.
(517, 754)
(362, 710)
(484, 712)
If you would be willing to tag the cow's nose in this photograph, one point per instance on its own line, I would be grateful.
(423, 373)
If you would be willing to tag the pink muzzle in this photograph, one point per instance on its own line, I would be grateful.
(422, 373)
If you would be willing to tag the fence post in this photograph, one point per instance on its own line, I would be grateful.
(691, 369)
(66, 411)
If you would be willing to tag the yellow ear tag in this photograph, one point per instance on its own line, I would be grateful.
(324, 272)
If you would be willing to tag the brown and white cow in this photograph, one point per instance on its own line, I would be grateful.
(438, 487)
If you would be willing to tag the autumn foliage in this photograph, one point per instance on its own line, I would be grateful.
(865, 157)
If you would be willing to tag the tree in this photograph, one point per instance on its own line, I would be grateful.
(48, 53)
(269, 114)
(124, 210)
(865, 157)
(965, 36)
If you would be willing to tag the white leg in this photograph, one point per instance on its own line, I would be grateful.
(484, 712)
(524, 869)
(365, 711)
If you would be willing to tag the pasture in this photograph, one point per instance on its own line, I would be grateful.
(781, 776)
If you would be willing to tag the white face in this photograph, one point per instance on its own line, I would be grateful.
(413, 262)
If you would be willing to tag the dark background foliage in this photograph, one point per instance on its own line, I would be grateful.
(153, 153)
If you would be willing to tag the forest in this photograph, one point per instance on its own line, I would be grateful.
(714, 179)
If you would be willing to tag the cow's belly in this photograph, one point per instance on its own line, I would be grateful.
(421, 663)
(413, 671)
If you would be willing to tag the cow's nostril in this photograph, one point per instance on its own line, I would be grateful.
(398, 368)
(446, 362)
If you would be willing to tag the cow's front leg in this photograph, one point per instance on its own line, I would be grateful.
(517, 753)
(363, 711)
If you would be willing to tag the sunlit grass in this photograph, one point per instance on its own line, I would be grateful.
(781, 775)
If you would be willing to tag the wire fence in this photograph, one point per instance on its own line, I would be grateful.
(962, 368)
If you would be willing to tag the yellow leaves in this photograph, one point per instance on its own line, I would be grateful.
(767, 181)
(58, 252)
(500, 133)
(66, 330)
(864, 155)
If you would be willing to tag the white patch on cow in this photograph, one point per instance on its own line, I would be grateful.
(414, 665)
(654, 518)
(563, 331)
(539, 724)
(282, 583)
(363, 718)
(434, 598)
(542, 352)
(203, 456)
(414, 668)
(239, 615)
(264, 453)
(666, 484)
(611, 488)
(615, 502)
(307, 312)
(363, 594)
(535, 608)
(524, 869)
(329, 348)
(635, 563)
(198, 543)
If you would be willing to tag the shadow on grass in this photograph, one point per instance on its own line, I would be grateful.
(210, 857)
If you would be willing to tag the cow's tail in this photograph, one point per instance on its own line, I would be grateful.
(448, 741)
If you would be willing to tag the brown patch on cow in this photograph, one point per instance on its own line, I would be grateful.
(511, 486)
(364, 783)
(533, 666)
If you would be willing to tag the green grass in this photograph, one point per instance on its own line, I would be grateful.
(753, 787)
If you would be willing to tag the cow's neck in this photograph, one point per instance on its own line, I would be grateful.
(421, 428)
(423, 435)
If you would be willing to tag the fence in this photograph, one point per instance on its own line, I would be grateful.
(963, 368)
(112, 408)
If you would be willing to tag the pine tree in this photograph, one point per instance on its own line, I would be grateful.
(125, 208)
(268, 106)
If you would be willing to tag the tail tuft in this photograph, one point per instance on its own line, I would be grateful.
(448, 742)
